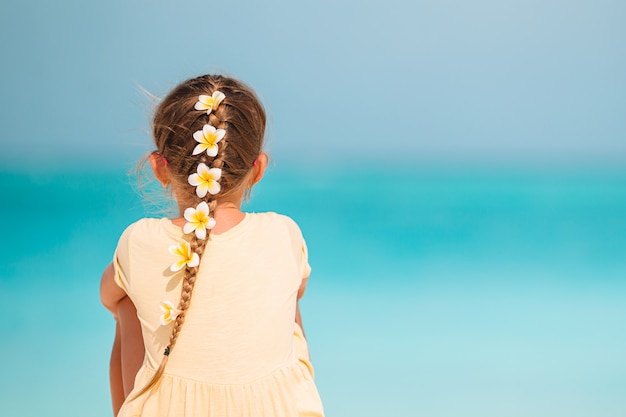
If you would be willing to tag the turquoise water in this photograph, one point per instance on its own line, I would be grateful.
(434, 293)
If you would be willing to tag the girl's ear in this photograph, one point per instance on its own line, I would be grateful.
(159, 167)
(259, 168)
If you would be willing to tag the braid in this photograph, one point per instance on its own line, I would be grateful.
(197, 246)
(214, 120)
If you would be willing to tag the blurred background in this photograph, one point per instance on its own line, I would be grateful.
(457, 168)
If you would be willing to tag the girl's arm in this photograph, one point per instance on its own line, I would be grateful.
(115, 371)
(110, 296)
(110, 293)
(133, 350)
(128, 349)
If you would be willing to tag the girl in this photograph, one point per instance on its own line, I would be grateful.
(216, 290)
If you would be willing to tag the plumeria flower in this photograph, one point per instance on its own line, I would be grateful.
(208, 139)
(198, 220)
(185, 256)
(206, 180)
(169, 312)
(211, 102)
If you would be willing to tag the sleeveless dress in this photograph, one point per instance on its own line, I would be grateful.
(239, 352)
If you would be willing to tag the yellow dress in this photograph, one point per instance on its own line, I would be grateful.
(239, 352)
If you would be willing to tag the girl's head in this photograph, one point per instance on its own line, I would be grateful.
(209, 134)
(176, 121)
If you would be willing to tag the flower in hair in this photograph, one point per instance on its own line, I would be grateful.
(198, 220)
(206, 180)
(185, 256)
(208, 139)
(211, 102)
(169, 312)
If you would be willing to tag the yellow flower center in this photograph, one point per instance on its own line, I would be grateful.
(210, 138)
(207, 177)
(201, 218)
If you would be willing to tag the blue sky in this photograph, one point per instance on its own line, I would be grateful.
(508, 81)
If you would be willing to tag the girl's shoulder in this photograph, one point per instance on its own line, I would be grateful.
(272, 219)
(148, 229)
(285, 230)
(277, 227)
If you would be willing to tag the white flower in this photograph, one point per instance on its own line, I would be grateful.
(169, 312)
(198, 220)
(211, 102)
(206, 180)
(208, 139)
(185, 256)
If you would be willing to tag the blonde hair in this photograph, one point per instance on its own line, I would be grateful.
(175, 120)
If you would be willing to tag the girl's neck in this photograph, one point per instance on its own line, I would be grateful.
(227, 214)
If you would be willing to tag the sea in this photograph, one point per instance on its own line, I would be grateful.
(438, 292)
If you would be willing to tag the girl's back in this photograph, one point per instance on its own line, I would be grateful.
(239, 325)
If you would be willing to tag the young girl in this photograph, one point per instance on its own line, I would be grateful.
(215, 290)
